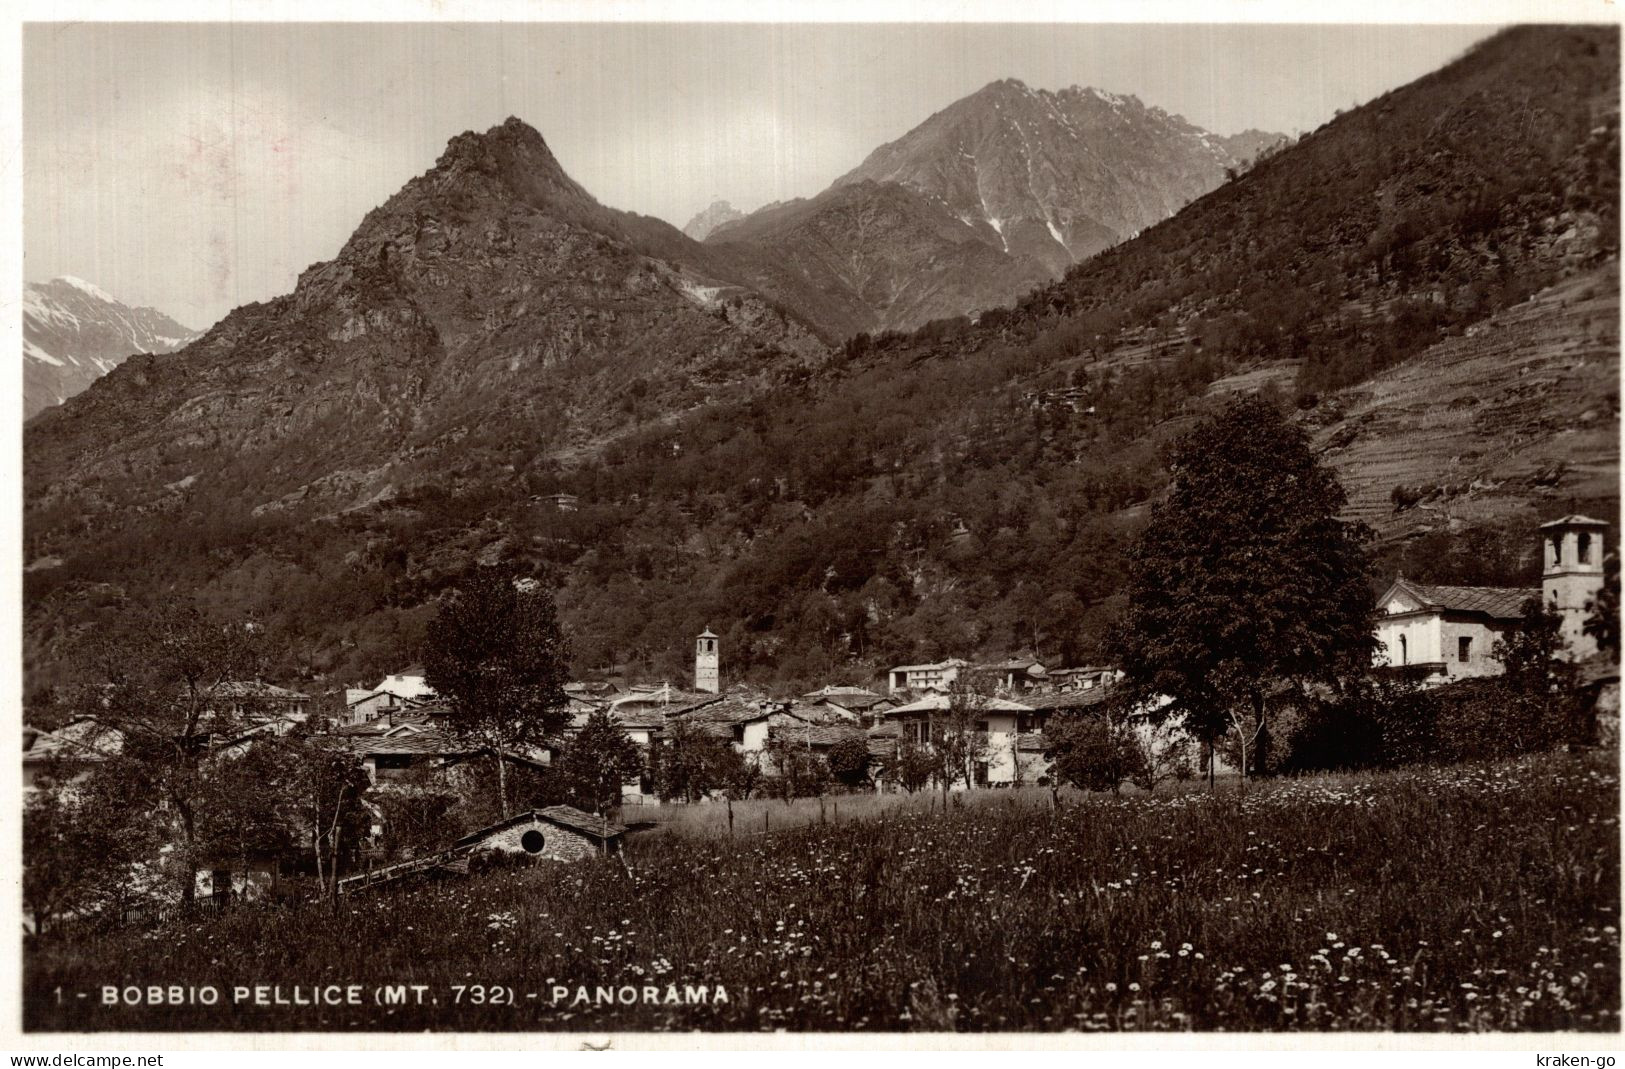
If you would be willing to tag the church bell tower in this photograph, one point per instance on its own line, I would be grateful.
(706, 675)
(1572, 551)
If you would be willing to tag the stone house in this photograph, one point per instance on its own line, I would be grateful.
(557, 833)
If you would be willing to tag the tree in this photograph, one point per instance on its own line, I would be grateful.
(83, 843)
(849, 761)
(910, 765)
(328, 789)
(1539, 679)
(799, 772)
(959, 737)
(1094, 753)
(1244, 578)
(495, 653)
(690, 764)
(1160, 751)
(598, 761)
(1602, 617)
(168, 687)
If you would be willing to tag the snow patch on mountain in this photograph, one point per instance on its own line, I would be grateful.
(87, 287)
(34, 352)
(74, 332)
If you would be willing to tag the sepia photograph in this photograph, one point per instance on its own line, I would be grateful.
(748, 527)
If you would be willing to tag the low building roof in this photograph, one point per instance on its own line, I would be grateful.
(1599, 668)
(76, 740)
(932, 703)
(1575, 520)
(1499, 602)
(814, 734)
(1014, 664)
(952, 662)
(253, 688)
(431, 741)
(1061, 701)
(846, 697)
(567, 816)
(726, 710)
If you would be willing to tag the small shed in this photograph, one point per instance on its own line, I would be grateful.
(558, 833)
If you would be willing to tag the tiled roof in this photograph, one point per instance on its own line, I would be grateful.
(670, 701)
(1504, 603)
(820, 713)
(814, 734)
(255, 689)
(1071, 699)
(1599, 668)
(729, 710)
(1575, 520)
(1015, 664)
(638, 719)
(565, 815)
(940, 702)
(432, 741)
(854, 698)
(952, 662)
(83, 739)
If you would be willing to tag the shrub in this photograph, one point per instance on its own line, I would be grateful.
(1095, 754)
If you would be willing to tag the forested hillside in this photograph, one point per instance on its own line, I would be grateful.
(963, 489)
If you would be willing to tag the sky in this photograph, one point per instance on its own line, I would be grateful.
(194, 167)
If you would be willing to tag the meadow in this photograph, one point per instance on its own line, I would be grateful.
(1467, 898)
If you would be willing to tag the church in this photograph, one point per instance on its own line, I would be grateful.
(1438, 634)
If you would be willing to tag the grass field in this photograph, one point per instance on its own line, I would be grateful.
(1465, 898)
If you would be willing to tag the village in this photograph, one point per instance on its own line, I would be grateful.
(953, 725)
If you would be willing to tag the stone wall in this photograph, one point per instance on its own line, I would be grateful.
(558, 843)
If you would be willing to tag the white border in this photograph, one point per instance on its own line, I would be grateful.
(1117, 1047)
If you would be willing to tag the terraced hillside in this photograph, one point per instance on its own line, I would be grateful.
(1518, 414)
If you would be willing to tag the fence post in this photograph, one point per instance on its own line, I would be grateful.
(730, 818)
(766, 819)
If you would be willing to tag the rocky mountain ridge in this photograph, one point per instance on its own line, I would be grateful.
(74, 332)
(993, 195)
(1430, 282)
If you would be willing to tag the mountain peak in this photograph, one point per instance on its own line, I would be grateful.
(514, 152)
(88, 288)
(1053, 176)
(705, 223)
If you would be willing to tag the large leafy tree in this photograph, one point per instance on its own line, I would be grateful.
(689, 764)
(1245, 579)
(598, 760)
(1093, 753)
(159, 695)
(496, 655)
